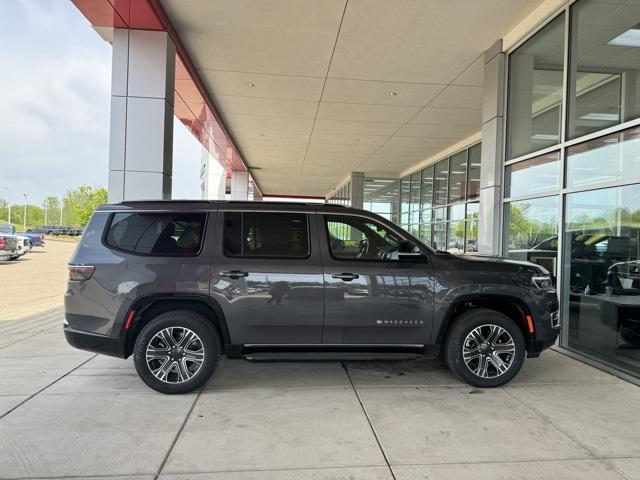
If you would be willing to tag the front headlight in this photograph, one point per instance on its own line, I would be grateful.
(543, 282)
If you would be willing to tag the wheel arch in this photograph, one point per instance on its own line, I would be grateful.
(511, 306)
(150, 306)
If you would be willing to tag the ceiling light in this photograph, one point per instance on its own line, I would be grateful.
(392, 94)
(251, 84)
(630, 38)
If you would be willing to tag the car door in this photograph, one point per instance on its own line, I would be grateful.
(373, 294)
(267, 276)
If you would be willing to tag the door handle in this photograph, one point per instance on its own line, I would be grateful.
(347, 277)
(234, 274)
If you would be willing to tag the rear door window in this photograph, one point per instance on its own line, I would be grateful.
(266, 234)
(166, 234)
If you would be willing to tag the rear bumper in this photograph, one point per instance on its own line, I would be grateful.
(94, 342)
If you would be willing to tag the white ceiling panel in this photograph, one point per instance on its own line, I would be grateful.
(459, 96)
(348, 139)
(448, 116)
(379, 93)
(437, 131)
(366, 112)
(230, 104)
(271, 135)
(473, 75)
(261, 122)
(286, 37)
(362, 128)
(311, 90)
(264, 86)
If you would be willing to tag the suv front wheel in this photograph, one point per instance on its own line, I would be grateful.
(177, 352)
(485, 348)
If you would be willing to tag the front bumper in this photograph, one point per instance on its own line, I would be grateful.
(94, 342)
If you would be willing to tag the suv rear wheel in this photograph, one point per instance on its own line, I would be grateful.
(485, 348)
(177, 352)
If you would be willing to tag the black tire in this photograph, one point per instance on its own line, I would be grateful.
(463, 327)
(208, 339)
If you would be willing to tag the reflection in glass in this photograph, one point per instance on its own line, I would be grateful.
(414, 201)
(537, 175)
(381, 197)
(473, 175)
(604, 56)
(613, 157)
(441, 182)
(601, 274)
(405, 189)
(426, 191)
(439, 239)
(458, 177)
(533, 231)
(471, 239)
(535, 91)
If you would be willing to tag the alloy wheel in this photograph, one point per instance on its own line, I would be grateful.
(488, 351)
(175, 355)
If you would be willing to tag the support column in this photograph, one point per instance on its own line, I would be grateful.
(357, 189)
(141, 134)
(492, 157)
(213, 177)
(239, 185)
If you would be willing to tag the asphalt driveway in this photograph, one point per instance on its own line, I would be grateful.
(66, 413)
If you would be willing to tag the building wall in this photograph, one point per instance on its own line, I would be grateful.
(558, 174)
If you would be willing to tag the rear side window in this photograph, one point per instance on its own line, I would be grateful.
(257, 234)
(157, 233)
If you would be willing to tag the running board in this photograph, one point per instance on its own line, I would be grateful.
(316, 356)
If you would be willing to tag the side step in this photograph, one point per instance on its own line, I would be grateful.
(315, 356)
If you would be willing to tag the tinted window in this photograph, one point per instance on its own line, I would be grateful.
(257, 234)
(157, 233)
(356, 238)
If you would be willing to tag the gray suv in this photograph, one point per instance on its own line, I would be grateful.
(177, 284)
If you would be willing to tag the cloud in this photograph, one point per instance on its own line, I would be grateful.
(54, 99)
(55, 95)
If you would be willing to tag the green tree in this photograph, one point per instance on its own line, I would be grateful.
(79, 204)
(52, 208)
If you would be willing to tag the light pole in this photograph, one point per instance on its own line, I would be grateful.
(8, 203)
(24, 223)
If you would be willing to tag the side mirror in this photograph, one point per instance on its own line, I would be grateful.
(410, 253)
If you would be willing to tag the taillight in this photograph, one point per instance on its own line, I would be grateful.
(80, 272)
(3, 242)
(42, 237)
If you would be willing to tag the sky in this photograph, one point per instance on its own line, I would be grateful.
(55, 95)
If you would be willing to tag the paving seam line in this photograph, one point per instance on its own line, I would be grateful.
(175, 440)
(366, 415)
(31, 336)
(47, 386)
(589, 450)
(13, 325)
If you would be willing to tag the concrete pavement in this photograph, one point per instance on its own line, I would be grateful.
(71, 414)
(35, 282)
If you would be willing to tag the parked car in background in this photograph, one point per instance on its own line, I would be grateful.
(55, 230)
(177, 284)
(8, 246)
(24, 246)
(36, 239)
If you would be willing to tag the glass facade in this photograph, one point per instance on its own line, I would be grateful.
(575, 206)
(381, 196)
(571, 198)
(535, 91)
(439, 205)
(342, 195)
